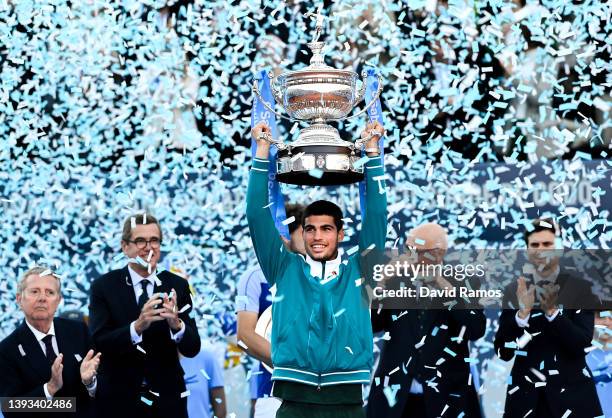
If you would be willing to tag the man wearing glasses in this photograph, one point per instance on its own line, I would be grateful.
(140, 321)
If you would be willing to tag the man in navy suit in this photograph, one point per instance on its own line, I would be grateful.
(47, 357)
(140, 321)
(549, 376)
(422, 372)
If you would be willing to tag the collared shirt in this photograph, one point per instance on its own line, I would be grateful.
(202, 374)
(137, 287)
(552, 277)
(332, 267)
(39, 337)
(416, 387)
(254, 296)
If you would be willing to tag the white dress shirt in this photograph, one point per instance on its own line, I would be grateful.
(416, 387)
(39, 337)
(137, 287)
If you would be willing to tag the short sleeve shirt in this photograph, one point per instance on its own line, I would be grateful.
(202, 373)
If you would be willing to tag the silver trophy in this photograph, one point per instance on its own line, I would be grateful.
(318, 94)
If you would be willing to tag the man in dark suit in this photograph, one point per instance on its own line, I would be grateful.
(422, 372)
(549, 376)
(47, 357)
(140, 322)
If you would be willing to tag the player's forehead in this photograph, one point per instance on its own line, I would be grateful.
(319, 221)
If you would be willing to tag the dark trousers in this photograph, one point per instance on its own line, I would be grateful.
(415, 407)
(290, 409)
(542, 409)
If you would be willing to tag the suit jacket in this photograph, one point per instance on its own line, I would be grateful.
(556, 351)
(451, 387)
(124, 367)
(25, 375)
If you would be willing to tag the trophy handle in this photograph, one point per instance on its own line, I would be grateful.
(361, 91)
(275, 92)
(279, 144)
(360, 94)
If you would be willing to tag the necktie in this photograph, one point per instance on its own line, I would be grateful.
(144, 296)
(417, 359)
(49, 349)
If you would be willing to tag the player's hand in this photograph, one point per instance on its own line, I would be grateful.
(374, 131)
(263, 145)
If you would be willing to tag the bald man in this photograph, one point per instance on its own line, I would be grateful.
(411, 379)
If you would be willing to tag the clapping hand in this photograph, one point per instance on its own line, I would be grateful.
(56, 382)
(525, 296)
(150, 313)
(170, 312)
(548, 298)
(89, 367)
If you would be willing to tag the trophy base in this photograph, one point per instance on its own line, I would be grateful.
(318, 165)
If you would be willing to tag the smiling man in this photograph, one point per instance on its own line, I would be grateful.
(45, 356)
(321, 332)
(140, 322)
(548, 343)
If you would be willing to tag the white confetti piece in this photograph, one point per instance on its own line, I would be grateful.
(420, 343)
(289, 220)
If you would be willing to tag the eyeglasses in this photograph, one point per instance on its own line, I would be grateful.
(142, 243)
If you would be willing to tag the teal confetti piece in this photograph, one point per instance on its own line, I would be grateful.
(449, 351)
(316, 173)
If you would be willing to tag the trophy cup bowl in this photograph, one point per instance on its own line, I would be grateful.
(318, 94)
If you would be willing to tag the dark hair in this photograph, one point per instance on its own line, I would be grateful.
(140, 219)
(324, 207)
(297, 211)
(541, 224)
